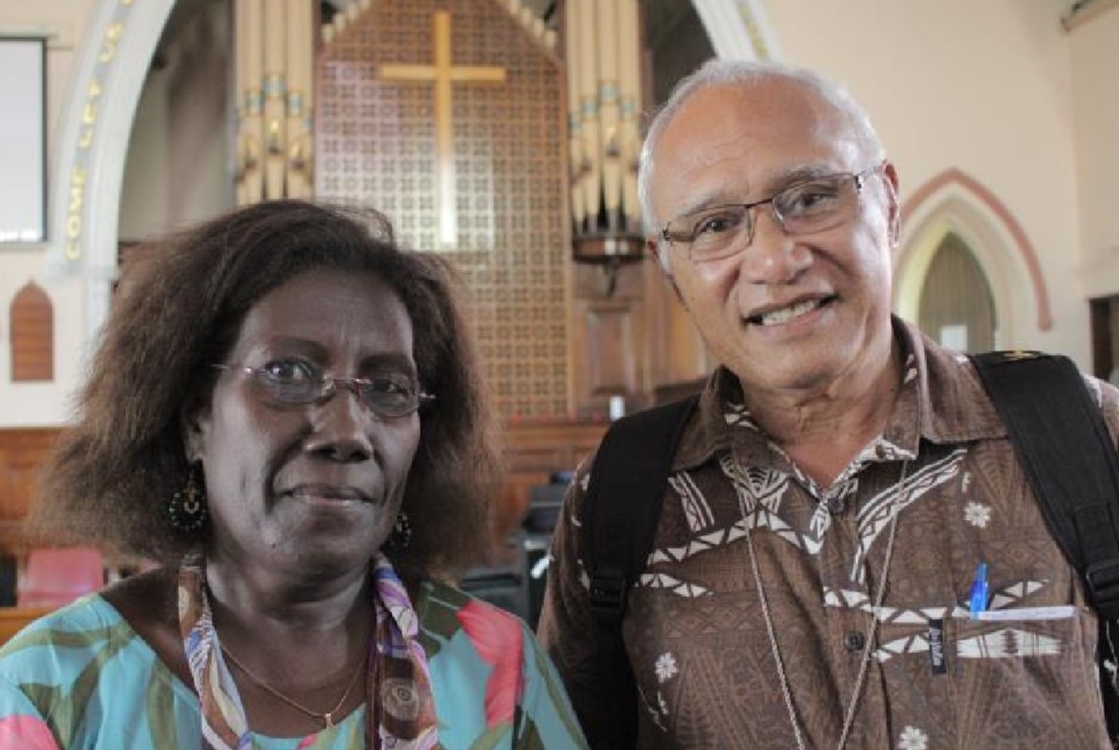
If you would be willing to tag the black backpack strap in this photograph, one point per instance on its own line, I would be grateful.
(1062, 442)
(621, 508)
(622, 503)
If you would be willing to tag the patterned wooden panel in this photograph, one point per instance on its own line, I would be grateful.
(610, 351)
(22, 454)
(377, 144)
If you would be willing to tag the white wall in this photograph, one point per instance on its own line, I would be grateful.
(1095, 61)
(43, 404)
(166, 184)
(995, 88)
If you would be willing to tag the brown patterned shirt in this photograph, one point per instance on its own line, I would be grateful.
(695, 628)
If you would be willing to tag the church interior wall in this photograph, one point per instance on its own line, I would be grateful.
(62, 23)
(996, 89)
(179, 163)
(145, 194)
(38, 404)
(1095, 58)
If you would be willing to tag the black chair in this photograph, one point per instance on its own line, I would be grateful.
(517, 583)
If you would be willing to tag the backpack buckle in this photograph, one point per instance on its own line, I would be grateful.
(1103, 587)
(608, 596)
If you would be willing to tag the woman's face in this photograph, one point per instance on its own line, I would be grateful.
(311, 488)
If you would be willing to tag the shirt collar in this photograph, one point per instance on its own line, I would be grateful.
(953, 406)
(931, 376)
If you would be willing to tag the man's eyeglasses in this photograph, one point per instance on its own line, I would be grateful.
(295, 382)
(802, 208)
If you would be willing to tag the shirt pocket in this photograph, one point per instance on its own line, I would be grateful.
(1024, 682)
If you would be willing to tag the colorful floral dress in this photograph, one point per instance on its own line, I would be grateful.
(81, 678)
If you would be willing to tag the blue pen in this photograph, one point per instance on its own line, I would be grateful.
(977, 600)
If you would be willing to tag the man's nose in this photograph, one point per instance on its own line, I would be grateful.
(773, 257)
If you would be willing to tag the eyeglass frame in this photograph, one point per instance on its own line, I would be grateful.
(778, 219)
(329, 387)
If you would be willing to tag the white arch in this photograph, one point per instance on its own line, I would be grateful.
(957, 211)
(93, 136)
(738, 29)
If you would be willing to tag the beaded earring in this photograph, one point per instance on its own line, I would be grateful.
(401, 535)
(187, 511)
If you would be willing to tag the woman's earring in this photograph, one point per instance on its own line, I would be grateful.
(401, 535)
(187, 509)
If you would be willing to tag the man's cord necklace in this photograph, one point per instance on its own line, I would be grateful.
(327, 718)
(872, 629)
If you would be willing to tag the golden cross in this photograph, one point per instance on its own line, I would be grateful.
(443, 74)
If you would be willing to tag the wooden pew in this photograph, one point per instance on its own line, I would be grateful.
(12, 619)
(535, 450)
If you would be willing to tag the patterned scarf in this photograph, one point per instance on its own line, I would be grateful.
(401, 709)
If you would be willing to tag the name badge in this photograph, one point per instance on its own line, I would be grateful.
(937, 662)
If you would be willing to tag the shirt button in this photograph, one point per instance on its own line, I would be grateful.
(836, 505)
(854, 641)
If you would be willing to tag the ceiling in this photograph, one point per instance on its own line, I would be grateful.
(540, 7)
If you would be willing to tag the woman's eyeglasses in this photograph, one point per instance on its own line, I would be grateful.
(295, 382)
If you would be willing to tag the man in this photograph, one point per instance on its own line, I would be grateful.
(843, 485)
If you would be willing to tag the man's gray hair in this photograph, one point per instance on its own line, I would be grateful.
(743, 73)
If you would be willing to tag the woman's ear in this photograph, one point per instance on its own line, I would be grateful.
(194, 423)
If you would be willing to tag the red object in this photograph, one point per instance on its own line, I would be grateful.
(498, 638)
(54, 577)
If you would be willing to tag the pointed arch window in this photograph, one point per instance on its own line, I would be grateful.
(32, 335)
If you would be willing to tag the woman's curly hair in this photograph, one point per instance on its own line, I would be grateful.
(180, 306)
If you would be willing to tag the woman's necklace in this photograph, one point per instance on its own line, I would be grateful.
(327, 718)
(871, 632)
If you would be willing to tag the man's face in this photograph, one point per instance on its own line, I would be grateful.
(789, 313)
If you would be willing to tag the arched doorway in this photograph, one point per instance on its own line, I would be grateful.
(985, 242)
(957, 307)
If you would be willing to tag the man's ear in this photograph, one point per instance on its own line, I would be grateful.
(672, 281)
(655, 248)
(660, 254)
(890, 175)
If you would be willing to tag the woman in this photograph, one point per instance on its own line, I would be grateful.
(286, 411)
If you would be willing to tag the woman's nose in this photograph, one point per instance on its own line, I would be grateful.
(342, 427)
